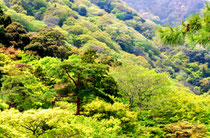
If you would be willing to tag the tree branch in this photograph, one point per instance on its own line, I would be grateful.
(70, 77)
(78, 80)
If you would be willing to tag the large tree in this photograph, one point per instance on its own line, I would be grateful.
(81, 77)
(140, 85)
(85, 78)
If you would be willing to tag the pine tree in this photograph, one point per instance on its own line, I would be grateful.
(195, 30)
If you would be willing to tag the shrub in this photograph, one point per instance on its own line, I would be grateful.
(186, 129)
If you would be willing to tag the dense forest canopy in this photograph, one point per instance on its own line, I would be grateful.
(95, 68)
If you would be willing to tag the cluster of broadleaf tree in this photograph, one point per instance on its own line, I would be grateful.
(48, 89)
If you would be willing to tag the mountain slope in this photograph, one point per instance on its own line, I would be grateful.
(76, 56)
(109, 25)
(114, 30)
(166, 11)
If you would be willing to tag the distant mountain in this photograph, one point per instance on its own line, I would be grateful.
(166, 11)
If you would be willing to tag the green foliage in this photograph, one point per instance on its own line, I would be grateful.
(180, 105)
(193, 31)
(3, 105)
(66, 14)
(149, 131)
(48, 42)
(140, 85)
(25, 92)
(83, 76)
(171, 36)
(12, 34)
(16, 36)
(89, 56)
(29, 22)
(105, 38)
(101, 110)
(190, 66)
(125, 42)
(34, 123)
(142, 102)
(20, 88)
(77, 29)
(109, 60)
(104, 4)
(120, 16)
(55, 123)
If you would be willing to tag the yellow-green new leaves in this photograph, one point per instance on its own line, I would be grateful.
(3, 105)
(34, 123)
(181, 104)
(55, 123)
(101, 111)
(139, 85)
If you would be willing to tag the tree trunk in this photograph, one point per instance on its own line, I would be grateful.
(78, 105)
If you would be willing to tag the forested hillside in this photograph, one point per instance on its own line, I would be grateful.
(166, 11)
(96, 68)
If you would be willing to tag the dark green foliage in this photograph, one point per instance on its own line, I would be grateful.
(82, 11)
(205, 72)
(109, 86)
(103, 4)
(1, 71)
(109, 60)
(16, 36)
(48, 42)
(136, 25)
(89, 56)
(107, 83)
(30, 7)
(42, 75)
(125, 42)
(117, 8)
(148, 48)
(120, 16)
(125, 16)
(190, 66)
(12, 33)
(5, 20)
